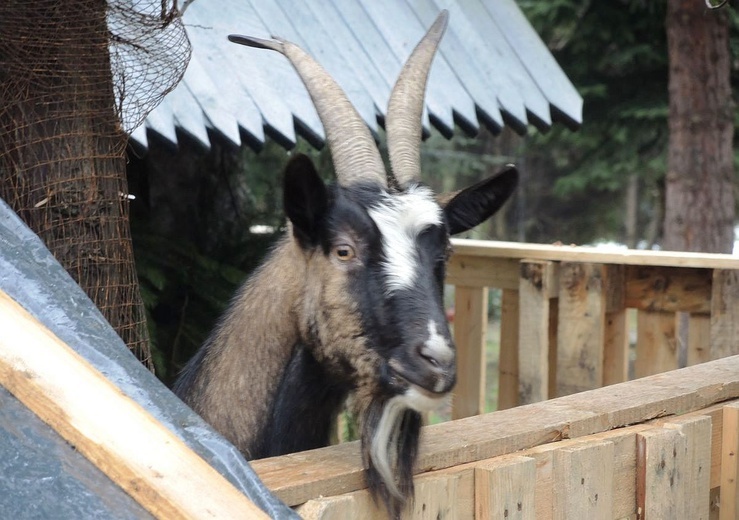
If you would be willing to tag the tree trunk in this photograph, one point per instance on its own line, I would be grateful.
(62, 150)
(699, 198)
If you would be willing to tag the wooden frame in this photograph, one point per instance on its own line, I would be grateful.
(122, 439)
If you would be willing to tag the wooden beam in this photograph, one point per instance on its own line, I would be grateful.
(435, 497)
(669, 481)
(699, 339)
(580, 333)
(583, 482)
(470, 336)
(536, 286)
(668, 289)
(725, 314)
(331, 508)
(656, 343)
(561, 253)
(730, 463)
(508, 355)
(504, 489)
(697, 431)
(515, 484)
(616, 333)
(299, 477)
(501, 273)
(116, 434)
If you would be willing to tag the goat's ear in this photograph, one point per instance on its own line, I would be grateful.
(305, 198)
(471, 206)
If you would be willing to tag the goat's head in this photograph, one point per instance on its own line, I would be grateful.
(376, 246)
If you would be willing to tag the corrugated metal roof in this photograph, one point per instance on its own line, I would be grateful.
(492, 68)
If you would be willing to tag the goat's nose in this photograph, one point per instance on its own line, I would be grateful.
(437, 356)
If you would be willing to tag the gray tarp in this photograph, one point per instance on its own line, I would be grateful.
(41, 476)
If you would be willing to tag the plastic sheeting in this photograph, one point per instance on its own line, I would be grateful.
(41, 476)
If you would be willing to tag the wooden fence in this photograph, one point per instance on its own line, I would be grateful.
(564, 326)
(661, 447)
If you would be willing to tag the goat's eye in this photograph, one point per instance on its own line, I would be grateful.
(344, 252)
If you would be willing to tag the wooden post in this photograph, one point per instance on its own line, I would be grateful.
(616, 336)
(553, 330)
(470, 330)
(729, 509)
(656, 343)
(699, 339)
(508, 357)
(505, 489)
(583, 482)
(582, 308)
(725, 313)
(435, 497)
(535, 289)
(329, 508)
(118, 436)
(697, 431)
(673, 470)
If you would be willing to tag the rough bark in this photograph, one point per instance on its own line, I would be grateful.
(699, 198)
(62, 150)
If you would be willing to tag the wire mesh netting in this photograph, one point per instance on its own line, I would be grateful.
(75, 76)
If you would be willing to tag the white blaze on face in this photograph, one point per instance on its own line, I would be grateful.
(400, 219)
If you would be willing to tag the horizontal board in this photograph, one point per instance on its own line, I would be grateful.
(517, 250)
(299, 477)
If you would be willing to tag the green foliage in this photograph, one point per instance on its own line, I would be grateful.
(194, 247)
(616, 55)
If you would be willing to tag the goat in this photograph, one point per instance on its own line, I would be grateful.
(350, 300)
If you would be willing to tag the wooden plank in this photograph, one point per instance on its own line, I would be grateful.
(508, 356)
(501, 273)
(563, 253)
(624, 457)
(725, 314)
(660, 472)
(470, 335)
(656, 343)
(299, 477)
(673, 477)
(730, 463)
(699, 338)
(668, 289)
(122, 439)
(616, 337)
(436, 497)
(331, 508)
(533, 333)
(583, 477)
(616, 348)
(552, 358)
(505, 489)
(582, 307)
(697, 431)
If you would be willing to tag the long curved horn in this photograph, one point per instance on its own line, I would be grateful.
(403, 120)
(352, 147)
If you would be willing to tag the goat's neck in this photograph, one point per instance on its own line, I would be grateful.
(305, 407)
(245, 358)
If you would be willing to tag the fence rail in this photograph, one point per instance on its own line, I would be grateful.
(624, 451)
(564, 319)
(659, 447)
